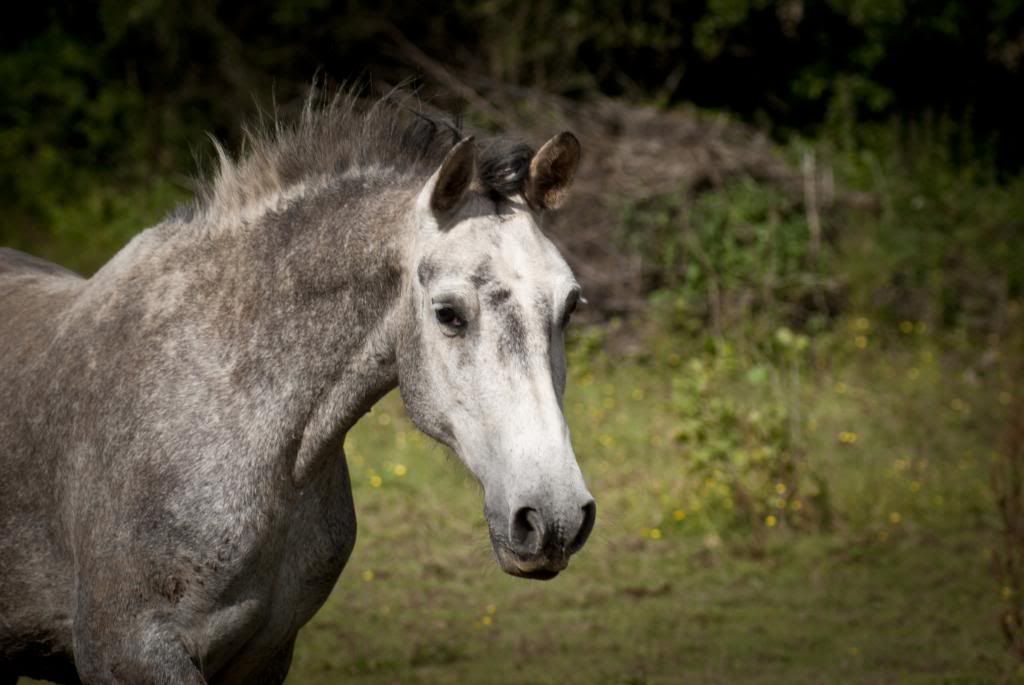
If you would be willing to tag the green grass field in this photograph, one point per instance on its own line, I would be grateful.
(895, 588)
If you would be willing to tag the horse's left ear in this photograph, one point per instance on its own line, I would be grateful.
(444, 192)
(552, 170)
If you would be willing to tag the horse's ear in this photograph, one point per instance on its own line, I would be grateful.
(445, 190)
(552, 170)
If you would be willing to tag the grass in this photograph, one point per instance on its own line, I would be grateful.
(897, 590)
(821, 609)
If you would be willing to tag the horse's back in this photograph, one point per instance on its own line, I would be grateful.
(14, 262)
(31, 287)
(33, 292)
(34, 603)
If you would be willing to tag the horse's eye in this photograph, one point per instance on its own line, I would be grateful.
(569, 311)
(570, 307)
(447, 316)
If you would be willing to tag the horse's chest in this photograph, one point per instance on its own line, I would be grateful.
(285, 583)
(319, 542)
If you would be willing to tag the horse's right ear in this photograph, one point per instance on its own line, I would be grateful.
(444, 192)
(551, 172)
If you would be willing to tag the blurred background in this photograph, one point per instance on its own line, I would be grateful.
(795, 391)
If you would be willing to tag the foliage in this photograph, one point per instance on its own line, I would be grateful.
(724, 256)
(938, 245)
(100, 92)
(85, 233)
(745, 447)
(945, 247)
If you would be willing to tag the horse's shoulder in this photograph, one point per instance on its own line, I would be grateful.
(15, 262)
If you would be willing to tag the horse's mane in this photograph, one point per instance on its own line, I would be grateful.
(343, 134)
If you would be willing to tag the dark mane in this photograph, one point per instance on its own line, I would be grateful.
(344, 134)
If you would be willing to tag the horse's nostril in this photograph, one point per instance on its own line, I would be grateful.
(527, 531)
(589, 515)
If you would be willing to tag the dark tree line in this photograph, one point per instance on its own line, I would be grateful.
(122, 89)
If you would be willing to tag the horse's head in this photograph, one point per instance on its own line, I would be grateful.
(483, 366)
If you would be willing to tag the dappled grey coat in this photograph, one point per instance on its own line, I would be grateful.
(173, 506)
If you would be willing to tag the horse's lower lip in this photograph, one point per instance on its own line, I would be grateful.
(538, 574)
(530, 572)
(534, 569)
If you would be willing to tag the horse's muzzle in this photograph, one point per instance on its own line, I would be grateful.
(539, 546)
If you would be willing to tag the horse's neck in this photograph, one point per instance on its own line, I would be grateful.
(293, 337)
(367, 376)
(370, 310)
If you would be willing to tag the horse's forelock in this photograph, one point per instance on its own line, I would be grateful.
(504, 166)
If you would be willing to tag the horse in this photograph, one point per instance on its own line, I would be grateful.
(174, 497)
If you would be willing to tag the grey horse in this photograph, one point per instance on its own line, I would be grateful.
(174, 499)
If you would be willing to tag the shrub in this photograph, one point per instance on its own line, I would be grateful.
(744, 445)
(731, 254)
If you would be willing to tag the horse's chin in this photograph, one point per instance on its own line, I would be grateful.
(531, 569)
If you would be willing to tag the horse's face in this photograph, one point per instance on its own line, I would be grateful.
(483, 370)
